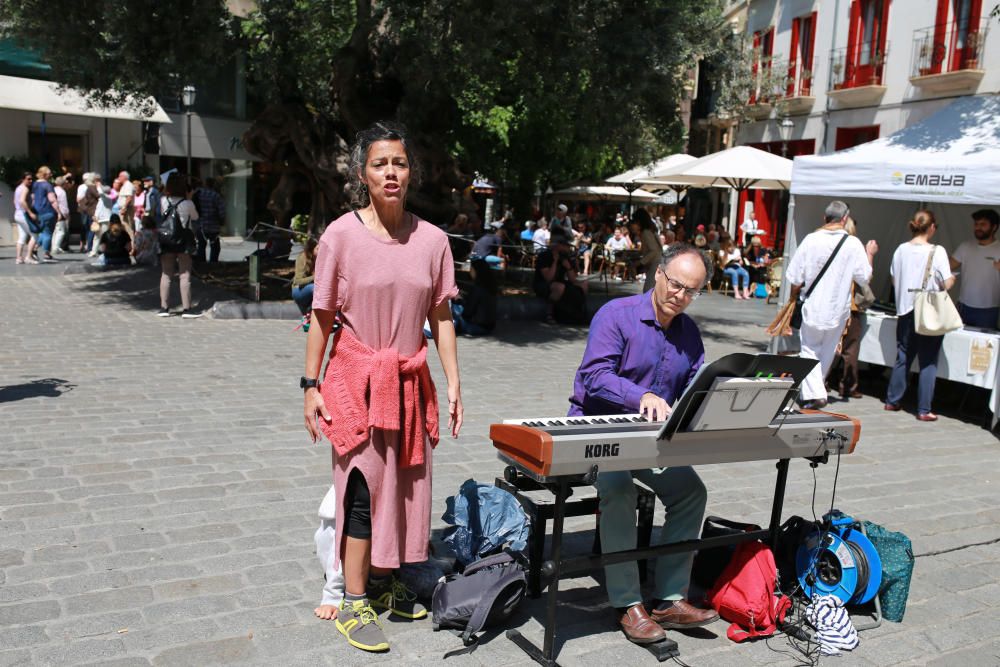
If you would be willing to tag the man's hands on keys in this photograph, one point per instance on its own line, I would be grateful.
(653, 408)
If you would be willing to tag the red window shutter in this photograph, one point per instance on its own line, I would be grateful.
(853, 43)
(793, 53)
(809, 56)
(754, 67)
(937, 53)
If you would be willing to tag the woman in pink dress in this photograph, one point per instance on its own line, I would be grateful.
(384, 271)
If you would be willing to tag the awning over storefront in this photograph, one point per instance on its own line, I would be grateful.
(45, 97)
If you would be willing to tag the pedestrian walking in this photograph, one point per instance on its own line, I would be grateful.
(45, 205)
(176, 258)
(103, 209)
(27, 221)
(86, 202)
(62, 211)
(823, 268)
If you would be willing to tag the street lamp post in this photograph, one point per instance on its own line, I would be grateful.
(785, 127)
(188, 98)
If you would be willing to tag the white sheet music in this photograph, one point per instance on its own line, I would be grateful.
(741, 403)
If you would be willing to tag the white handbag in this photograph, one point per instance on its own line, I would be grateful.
(934, 313)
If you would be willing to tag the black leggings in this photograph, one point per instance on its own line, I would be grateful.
(358, 505)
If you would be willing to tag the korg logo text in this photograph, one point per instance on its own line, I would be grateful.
(602, 450)
(935, 180)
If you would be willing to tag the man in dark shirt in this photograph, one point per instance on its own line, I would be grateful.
(211, 217)
(489, 246)
(555, 281)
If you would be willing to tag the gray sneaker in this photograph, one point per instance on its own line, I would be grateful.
(397, 598)
(360, 624)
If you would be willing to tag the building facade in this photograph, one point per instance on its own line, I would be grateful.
(59, 129)
(845, 72)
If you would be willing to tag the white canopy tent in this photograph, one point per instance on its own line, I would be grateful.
(604, 193)
(739, 168)
(949, 163)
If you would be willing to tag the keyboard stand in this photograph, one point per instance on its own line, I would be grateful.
(558, 567)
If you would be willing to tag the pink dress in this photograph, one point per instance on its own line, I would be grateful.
(384, 289)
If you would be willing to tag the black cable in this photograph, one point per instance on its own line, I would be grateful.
(958, 548)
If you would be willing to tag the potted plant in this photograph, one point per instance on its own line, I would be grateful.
(805, 87)
(972, 42)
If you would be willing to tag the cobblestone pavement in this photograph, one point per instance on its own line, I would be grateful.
(158, 494)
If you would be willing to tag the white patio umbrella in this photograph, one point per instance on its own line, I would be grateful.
(632, 179)
(739, 168)
(602, 193)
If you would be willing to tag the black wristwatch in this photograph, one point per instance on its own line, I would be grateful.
(308, 383)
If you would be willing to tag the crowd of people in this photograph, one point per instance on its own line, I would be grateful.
(568, 248)
(122, 223)
(829, 275)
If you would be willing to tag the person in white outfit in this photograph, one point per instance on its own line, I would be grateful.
(333, 589)
(825, 311)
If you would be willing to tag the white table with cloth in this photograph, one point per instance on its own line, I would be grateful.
(968, 355)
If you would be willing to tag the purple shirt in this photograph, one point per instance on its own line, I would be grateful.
(628, 354)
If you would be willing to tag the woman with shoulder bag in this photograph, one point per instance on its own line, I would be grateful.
(917, 266)
(177, 256)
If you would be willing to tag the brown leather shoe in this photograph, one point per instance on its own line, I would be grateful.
(854, 393)
(639, 627)
(682, 614)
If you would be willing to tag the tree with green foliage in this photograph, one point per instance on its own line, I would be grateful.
(529, 94)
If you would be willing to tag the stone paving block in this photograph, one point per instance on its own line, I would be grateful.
(22, 613)
(152, 637)
(35, 511)
(84, 650)
(78, 492)
(116, 599)
(121, 662)
(16, 658)
(205, 533)
(187, 588)
(87, 583)
(62, 552)
(186, 609)
(276, 573)
(21, 637)
(108, 624)
(248, 621)
(232, 651)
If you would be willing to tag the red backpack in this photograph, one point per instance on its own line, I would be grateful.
(744, 593)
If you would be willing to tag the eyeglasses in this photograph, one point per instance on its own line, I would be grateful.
(677, 286)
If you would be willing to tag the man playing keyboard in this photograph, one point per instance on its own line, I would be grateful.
(641, 353)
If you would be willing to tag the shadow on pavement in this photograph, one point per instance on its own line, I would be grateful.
(47, 388)
(138, 287)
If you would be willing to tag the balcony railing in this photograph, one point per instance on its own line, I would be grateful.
(865, 67)
(948, 47)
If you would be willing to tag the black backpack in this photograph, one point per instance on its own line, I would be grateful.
(486, 593)
(170, 229)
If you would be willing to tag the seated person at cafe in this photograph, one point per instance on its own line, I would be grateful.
(489, 246)
(614, 247)
(475, 313)
(556, 282)
(642, 352)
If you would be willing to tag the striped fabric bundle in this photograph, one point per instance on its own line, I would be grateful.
(834, 630)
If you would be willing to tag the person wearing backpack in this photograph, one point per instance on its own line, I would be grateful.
(177, 244)
(642, 351)
(45, 204)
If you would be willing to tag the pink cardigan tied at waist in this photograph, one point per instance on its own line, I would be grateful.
(365, 389)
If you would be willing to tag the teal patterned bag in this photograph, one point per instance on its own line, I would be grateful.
(896, 553)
